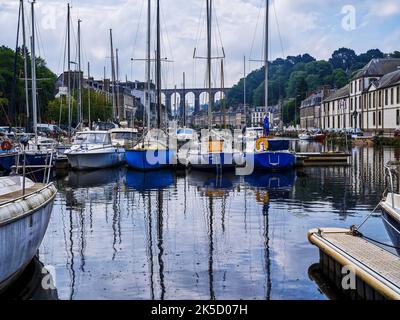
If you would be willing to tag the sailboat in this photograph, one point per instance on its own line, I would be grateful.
(38, 152)
(25, 210)
(262, 152)
(214, 151)
(152, 151)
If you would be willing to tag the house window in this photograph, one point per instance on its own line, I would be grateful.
(360, 102)
(373, 100)
(373, 119)
(380, 98)
(351, 104)
(386, 97)
(398, 94)
(351, 87)
(369, 101)
(392, 96)
(398, 117)
(380, 118)
(360, 85)
(355, 103)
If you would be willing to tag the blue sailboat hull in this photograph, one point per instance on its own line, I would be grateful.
(138, 160)
(37, 159)
(273, 160)
(7, 160)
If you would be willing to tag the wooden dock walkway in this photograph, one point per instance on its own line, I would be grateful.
(322, 158)
(377, 270)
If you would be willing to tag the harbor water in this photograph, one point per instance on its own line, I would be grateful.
(121, 234)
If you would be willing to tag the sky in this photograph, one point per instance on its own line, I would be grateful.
(317, 27)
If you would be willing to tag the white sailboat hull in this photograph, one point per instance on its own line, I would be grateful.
(98, 159)
(23, 224)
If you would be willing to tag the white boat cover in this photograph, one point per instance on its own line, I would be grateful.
(13, 184)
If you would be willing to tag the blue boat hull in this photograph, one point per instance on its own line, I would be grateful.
(37, 159)
(7, 160)
(273, 160)
(137, 159)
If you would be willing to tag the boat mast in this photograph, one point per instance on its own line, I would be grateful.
(147, 94)
(222, 102)
(33, 62)
(244, 91)
(89, 106)
(184, 100)
(266, 55)
(25, 55)
(117, 82)
(115, 112)
(80, 115)
(69, 70)
(209, 22)
(158, 67)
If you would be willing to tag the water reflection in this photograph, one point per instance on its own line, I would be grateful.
(146, 181)
(121, 234)
(35, 283)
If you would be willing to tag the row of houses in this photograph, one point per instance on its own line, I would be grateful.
(370, 102)
(238, 118)
(128, 97)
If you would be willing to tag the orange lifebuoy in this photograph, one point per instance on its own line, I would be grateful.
(263, 141)
(263, 198)
(6, 145)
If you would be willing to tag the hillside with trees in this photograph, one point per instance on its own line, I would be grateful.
(12, 86)
(293, 78)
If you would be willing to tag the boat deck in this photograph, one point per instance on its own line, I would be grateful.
(18, 194)
(376, 267)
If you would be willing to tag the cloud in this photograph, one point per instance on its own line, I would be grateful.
(385, 8)
(305, 26)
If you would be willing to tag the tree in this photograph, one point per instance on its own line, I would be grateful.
(343, 58)
(46, 83)
(340, 78)
(395, 54)
(100, 108)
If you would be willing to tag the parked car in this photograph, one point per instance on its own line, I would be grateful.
(51, 129)
(6, 132)
(357, 133)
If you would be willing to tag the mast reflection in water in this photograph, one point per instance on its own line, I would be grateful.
(121, 234)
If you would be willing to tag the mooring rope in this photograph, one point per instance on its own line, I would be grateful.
(368, 217)
(378, 242)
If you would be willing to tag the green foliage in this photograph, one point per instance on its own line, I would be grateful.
(100, 108)
(289, 112)
(16, 102)
(296, 76)
(395, 54)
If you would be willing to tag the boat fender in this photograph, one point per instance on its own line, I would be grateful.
(264, 142)
(6, 145)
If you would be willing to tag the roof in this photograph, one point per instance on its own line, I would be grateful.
(312, 100)
(378, 67)
(389, 80)
(338, 94)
